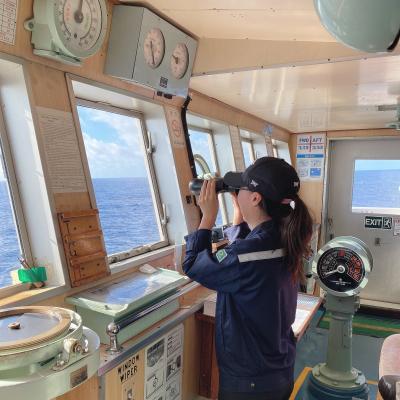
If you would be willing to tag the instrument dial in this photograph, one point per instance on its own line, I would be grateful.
(154, 48)
(179, 61)
(341, 269)
(80, 23)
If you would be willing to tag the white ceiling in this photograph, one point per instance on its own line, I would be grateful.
(245, 19)
(332, 96)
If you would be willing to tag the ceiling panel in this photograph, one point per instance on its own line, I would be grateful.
(251, 19)
(335, 96)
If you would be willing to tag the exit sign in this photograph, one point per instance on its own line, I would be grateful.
(375, 222)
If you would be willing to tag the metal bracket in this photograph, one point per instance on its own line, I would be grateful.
(73, 348)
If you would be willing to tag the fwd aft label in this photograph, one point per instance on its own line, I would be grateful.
(374, 222)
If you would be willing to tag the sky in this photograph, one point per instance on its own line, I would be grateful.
(113, 144)
(373, 165)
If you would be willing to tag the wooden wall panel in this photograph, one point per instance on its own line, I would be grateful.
(219, 111)
(191, 359)
(89, 390)
(182, 166)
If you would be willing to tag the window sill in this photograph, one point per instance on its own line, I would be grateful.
(29, 297)
(141, 259)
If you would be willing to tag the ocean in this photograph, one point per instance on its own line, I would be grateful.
(128, 218)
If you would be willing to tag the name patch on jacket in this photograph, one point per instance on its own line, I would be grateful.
(221, 255)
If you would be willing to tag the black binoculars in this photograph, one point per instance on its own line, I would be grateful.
(220, 186)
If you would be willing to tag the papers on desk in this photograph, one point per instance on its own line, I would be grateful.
(307, 306)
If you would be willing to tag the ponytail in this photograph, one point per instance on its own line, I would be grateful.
(296, 227)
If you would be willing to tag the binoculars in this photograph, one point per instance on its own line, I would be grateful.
(220, 186)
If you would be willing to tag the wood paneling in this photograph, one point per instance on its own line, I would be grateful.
(182, 166)
(89, 390)
(128, 376)
(219, 111)
(191, 358)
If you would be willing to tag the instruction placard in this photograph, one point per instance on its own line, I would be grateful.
(61, 150)
(8, 20)
(310, 156)
(163, 370)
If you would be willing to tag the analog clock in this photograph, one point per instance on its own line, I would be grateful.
(179, 61)
(154, 47)
(68, 30)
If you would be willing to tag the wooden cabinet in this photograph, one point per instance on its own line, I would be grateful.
(208, 379)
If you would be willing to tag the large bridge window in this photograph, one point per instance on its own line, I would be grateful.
(376, 187)
(10, 238)
(123, 180)
(248, 152)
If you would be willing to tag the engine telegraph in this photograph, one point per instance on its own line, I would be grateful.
(342, 266)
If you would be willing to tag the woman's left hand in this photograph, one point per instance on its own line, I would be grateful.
(208, 202)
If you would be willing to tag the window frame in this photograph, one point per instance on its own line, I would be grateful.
(252, 152)
(213, 152)
(160, 208)
(16, 206)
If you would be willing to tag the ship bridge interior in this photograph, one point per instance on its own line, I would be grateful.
(114, 113)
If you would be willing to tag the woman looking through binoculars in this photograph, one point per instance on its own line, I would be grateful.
(256, 276)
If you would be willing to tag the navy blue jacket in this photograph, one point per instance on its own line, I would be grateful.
(256, 305)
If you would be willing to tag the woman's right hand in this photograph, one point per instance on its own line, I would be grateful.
(237, 213)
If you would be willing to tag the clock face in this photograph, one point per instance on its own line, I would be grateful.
(154, 47)
(179, 61)
(80, 23)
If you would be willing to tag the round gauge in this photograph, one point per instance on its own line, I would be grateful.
(179, 61)
(342, 266)
(340, 269)
(154, 48)
(81, 25)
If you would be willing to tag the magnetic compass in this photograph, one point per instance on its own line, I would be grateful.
(342, 266)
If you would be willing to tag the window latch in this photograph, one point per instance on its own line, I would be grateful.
(164, 217)
(150, 148)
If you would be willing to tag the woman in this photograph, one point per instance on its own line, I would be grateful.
(257, 278)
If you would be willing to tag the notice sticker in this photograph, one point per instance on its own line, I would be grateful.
(396, 226)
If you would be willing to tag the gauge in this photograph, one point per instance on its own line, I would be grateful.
(342, 266)
(340, 269)
(179, 61)
(154, 48)
(80, 22)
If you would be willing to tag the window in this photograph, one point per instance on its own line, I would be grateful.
(281, 150)
(248, 152)
(376, 187)
(123, 180)
(12, 227)
(202, 144)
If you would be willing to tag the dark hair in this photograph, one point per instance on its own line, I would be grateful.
(296, 227)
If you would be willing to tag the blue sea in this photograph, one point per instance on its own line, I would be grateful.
(377, 189)
(128, 217)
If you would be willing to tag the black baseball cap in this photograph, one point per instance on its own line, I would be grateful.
(272, 177)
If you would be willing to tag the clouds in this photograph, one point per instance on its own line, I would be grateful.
(113, 144)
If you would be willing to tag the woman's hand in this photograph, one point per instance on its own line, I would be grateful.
(237, 213)
(208, 203)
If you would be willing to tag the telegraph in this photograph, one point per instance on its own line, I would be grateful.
(341, 267)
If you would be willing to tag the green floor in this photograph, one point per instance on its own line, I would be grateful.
(370, 325)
